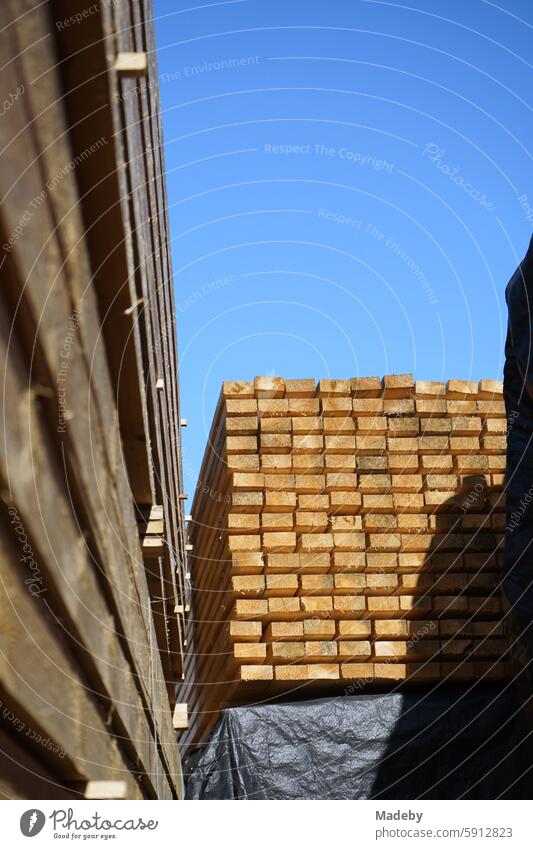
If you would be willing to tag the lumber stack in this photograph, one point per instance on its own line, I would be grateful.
(93, 580)
(349, 531)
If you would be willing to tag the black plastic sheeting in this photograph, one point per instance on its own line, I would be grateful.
(471, 744)
(518, 393)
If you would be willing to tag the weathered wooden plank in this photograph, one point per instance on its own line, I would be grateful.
(25, 777)
(144, 147)
(85, 54)
(31, 473)
(36, 666)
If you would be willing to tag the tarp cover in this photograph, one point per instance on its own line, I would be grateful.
(518, 392)
(439, 744)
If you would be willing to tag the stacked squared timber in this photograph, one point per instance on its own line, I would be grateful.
(347, 532)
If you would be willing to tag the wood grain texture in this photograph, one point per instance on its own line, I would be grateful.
(88, 442)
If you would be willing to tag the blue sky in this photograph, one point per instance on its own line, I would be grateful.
(349, 186)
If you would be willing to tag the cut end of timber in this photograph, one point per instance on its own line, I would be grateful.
(131, 64)
(105, 790)
(180, 717)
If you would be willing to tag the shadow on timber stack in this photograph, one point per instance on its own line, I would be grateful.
(346, 534)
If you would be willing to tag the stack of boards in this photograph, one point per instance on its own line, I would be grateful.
(348, 533)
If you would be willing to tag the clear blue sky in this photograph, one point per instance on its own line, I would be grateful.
(348, 183)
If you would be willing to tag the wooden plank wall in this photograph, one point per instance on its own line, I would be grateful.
(90, 644)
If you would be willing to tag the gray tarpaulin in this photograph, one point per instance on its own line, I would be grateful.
(439, 744)
(518, 391)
